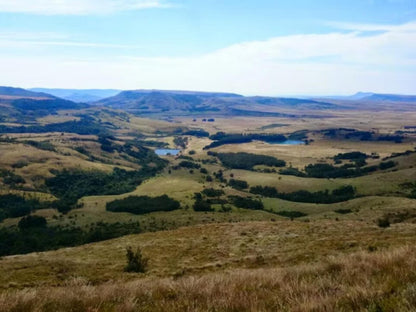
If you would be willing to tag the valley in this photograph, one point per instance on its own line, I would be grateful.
(236, 210)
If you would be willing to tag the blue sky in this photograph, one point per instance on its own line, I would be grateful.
(251, 47)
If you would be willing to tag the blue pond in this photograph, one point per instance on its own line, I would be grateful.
(164, 152)
(289, 142)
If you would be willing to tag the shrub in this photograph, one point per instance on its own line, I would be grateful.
(291, 214)
(135, 261)
(383, 223)
(343, 211)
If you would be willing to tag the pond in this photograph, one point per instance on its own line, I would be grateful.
(289, 142)
(165, 152)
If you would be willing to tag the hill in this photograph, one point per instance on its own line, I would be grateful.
(10, 92)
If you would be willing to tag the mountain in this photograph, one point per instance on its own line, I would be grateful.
(190, 102)
(79, 95)
(390, 98)
(22, 93)
(370, 96)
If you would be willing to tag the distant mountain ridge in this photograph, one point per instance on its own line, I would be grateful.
(181, 102)
(19, 92)
(370, 96)
(79, 95)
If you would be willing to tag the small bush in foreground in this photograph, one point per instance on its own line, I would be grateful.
(135, 261)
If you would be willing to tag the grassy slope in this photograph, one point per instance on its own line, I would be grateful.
(255, 266)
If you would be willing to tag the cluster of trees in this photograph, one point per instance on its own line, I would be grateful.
(357, 157)
(43, 145)
(33, 234)
(200, 204)
(387, 165)
(197, 133)
(180, 141)
(13, 206)
(189, 164)
(86, 125)
(352, 134)
(247, 160)
(238, 184)
(246, 202)
(210, 192)
(330, 171)
(221, 138)
(143, 204)
(406, 153)
(69, 186)
(341, 194)
(10, 178)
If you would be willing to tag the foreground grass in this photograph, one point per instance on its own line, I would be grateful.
(362, 281)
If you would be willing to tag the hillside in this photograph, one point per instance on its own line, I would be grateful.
(259, 266)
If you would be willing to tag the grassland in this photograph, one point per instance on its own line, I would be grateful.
(255, 266)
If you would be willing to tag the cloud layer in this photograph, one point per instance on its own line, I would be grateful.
(333, 63)
(76, 7)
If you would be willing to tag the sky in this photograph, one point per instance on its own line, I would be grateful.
(251, 47)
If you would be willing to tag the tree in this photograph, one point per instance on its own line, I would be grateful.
(135, 261)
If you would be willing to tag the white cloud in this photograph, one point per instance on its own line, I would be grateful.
(329, 63)
(77, 7)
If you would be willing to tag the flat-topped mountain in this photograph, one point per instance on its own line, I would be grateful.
(160, 101)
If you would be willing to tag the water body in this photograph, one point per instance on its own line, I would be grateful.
(165, 152)
(288, 142)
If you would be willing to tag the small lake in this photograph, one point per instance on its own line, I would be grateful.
(165, 152)
(288, 142)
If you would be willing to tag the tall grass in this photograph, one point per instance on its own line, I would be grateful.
(363, 281)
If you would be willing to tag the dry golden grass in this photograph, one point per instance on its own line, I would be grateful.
(205, 248)
(361, 281)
